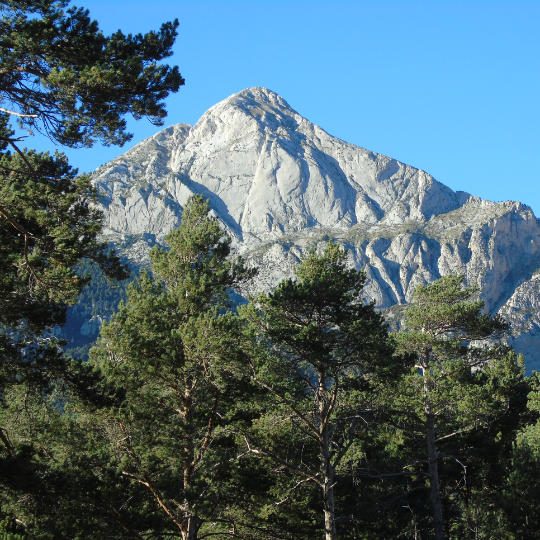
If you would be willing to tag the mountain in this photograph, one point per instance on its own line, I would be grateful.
(282, 185)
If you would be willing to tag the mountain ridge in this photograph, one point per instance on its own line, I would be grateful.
(282, 185)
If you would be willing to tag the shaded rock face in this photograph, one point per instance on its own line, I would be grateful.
(282, 185)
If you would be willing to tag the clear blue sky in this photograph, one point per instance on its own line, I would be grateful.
(451, 87)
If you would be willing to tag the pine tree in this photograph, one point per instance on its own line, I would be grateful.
(448, 397)
(61, 76)
(322, 352)
(172, 350)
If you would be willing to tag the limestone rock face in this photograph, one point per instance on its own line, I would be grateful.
(522, 310)
(282, 185)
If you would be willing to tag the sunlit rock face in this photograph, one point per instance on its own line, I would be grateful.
(282, 186)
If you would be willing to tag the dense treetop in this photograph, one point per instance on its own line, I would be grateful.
(61, 75)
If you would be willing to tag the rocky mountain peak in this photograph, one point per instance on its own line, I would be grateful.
(282, 185)
(255, 99)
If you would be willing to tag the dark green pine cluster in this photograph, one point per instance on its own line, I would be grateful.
(296, 415)
(61, 75)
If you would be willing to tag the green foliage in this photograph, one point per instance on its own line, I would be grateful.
(521, 497)
(465, 402)
(72, 82)
(445, 313)
(322, 353)
(59, 75)
(6, 531)
(195, 267)
(50, 227)
(172, 352)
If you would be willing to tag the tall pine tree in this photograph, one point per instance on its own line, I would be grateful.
(448, 399)
(173, 351)
(323, 350)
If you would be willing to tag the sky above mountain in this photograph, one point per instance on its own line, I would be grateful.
(450, 87)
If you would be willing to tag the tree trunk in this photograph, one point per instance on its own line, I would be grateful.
(190, 523)
(326, 463)
(328, 501)
(433, 466)
(191, 528)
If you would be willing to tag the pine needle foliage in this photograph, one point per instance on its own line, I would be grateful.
(173, 352)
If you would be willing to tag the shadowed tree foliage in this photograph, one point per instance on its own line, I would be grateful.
(521, 496)
(61, 76)
(463, 402)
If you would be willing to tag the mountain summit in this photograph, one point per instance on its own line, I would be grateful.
(281, 185)
(268, 170)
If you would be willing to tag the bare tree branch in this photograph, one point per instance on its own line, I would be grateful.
(18, 114)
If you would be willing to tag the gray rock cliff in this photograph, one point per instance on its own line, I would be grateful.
(282, 185)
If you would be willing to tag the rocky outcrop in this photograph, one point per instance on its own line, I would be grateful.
(282, 185)
(522, 310)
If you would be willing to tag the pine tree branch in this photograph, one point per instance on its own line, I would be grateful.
(455, 433)
(21, 153)
(157, 496)
(314, 429)
(13, 222)
(208, 434)
(277, 459)
(145, 481)
(7, 443)
(18, 114)
(297, 485)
